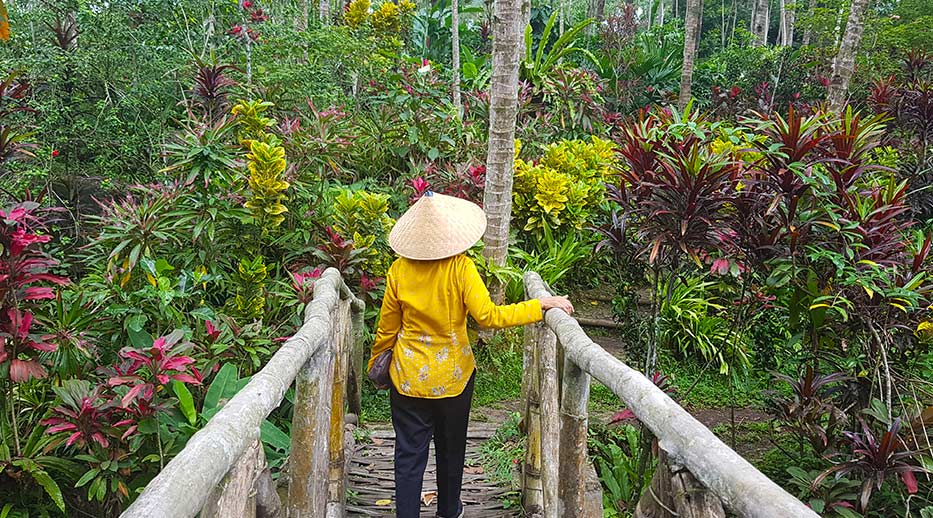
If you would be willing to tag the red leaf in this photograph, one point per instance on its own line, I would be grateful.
(910, 481)
(623, 415)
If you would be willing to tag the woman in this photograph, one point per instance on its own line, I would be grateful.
(429, 292)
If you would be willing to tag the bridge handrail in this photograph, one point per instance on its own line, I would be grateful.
(740, 486)
(187, 482)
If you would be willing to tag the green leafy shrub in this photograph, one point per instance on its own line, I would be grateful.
(562, 190)
(363, 216)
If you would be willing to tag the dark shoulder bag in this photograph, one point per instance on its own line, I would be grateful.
(379, 374)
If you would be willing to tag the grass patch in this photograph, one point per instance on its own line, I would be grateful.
(501, 456)
(708, 388)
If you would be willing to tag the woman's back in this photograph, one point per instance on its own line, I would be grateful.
(425, 313)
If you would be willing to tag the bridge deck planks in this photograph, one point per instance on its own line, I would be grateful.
(371, 478)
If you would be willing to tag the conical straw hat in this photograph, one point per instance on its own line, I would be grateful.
(436, 227)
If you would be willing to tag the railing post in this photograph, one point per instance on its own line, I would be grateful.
(550, 420)
(532, 491)
(573, 416)
(336, 473)
(308, 462)
(235, 496)
(356, 375)
(674, 492)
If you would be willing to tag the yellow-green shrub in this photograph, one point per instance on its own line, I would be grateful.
(561, 190)
(357, 13)
(251, 122)
(364, 216)
(266, 165)
(389, 17)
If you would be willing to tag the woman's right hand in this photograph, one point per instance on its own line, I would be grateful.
(559, 302)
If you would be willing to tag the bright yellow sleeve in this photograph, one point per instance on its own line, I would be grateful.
(486, 312)
(390, 319)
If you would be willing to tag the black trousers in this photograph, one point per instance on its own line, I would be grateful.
(415, 421)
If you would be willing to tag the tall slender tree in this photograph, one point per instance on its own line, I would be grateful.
(507, 34)
(788, 19)
(455, 50)
(761, 20)
(324, 10)
(844, 64)
(693, 18)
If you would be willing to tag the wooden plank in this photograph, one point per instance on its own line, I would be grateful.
(371, 479)
(574, 398)
(532, 488)
(308, 468)
(337, 481)
(550, 421)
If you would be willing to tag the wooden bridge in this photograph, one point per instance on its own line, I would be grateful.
(221, 472)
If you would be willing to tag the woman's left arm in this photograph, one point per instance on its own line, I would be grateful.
(390, 320)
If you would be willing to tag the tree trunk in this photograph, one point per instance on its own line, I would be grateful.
(844, 64)
(691, 31)
(788, 18)
(455, 51)
(808, 29)
(761, 18)
(508, 32)
(324, 11)
(595, 9)
(660, 12)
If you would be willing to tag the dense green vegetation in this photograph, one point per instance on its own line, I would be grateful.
(174, 176)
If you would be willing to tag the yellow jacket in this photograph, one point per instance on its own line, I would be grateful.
(424, 316)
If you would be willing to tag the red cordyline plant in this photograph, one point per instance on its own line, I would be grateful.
(340, 253)
(681, 198)
(789, 151)
(303, 284)
(145, 371)
(212, 89)
(13, 143)
(876, 459)
(811, 414)
(87, 415)
(24, 273)
(850, 141)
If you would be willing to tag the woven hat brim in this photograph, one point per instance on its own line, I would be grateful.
(437, 227)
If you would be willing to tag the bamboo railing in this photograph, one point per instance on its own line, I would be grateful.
(222, 470)
(698, 476)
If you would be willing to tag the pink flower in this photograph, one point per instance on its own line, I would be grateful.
(734, 92)
(54, 153)
(247, 4)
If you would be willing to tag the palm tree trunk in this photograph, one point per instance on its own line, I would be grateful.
(324, 10)
(507, 35)
(844, 64)
(660, 12)
(692, 20)
(788, 18)
(761, 18)
(455, 50)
